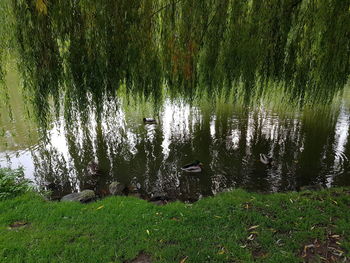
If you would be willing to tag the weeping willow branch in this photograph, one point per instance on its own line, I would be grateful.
(164, 7)
(208, 24)
(71, 52)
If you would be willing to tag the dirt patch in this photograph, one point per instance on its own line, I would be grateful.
(258, 253)
(141, 258)
(18, 225)
(328, 250)
(256, 250)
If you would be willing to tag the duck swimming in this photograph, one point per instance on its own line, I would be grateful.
(149, 121)
(266, 159)
(194, 167)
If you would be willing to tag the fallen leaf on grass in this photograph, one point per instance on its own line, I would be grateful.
(147, 231)
(100, 207)
(306, 247)
(184, 259)
(218, 216)
(251, 237)
(222, 250)
(253, 227)
(279, 242)
(338, 251)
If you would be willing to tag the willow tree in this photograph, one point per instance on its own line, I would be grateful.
(80, 53)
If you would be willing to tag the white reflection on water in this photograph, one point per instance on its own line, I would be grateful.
(58, 139)
(340, 142)
(250, 133)
(177, 122)
(166, 123)
(212, 126)
(18, 159)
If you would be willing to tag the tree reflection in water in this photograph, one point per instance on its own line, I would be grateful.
(307, 149)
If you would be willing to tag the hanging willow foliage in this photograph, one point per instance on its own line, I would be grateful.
(84, 51)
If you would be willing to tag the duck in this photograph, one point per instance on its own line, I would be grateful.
(194, 167)
(93, 169)
(149, 121)
(266, 159)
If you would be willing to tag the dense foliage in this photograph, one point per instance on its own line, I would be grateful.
(86, 50)
(12, 183)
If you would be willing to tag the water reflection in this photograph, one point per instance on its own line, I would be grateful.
(308, 148)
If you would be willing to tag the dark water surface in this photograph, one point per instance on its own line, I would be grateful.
(308, 148)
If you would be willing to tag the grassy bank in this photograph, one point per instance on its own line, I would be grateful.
(232, 227)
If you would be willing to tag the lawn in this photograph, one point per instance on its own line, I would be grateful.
(236, 226)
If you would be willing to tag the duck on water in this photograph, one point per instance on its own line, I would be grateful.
(149, 121)
(266, 159)
(194, 167)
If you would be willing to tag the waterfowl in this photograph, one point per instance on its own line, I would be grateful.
(93, 169)
(194, 167)
(149, 121)
(265, 159)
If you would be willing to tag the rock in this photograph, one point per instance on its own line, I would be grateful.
(82, 197)
(132, 188)
(117, 188)
(141, 258)
(159, 200)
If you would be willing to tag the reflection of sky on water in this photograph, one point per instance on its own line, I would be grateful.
(340, 141)
(18, 159)
(228, 145)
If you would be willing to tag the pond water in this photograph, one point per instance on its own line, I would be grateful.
(307, 148)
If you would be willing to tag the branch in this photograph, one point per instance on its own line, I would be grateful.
(163, 7)
(207, 25)
(295, 4)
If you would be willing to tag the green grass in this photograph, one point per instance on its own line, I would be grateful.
(117, 229)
